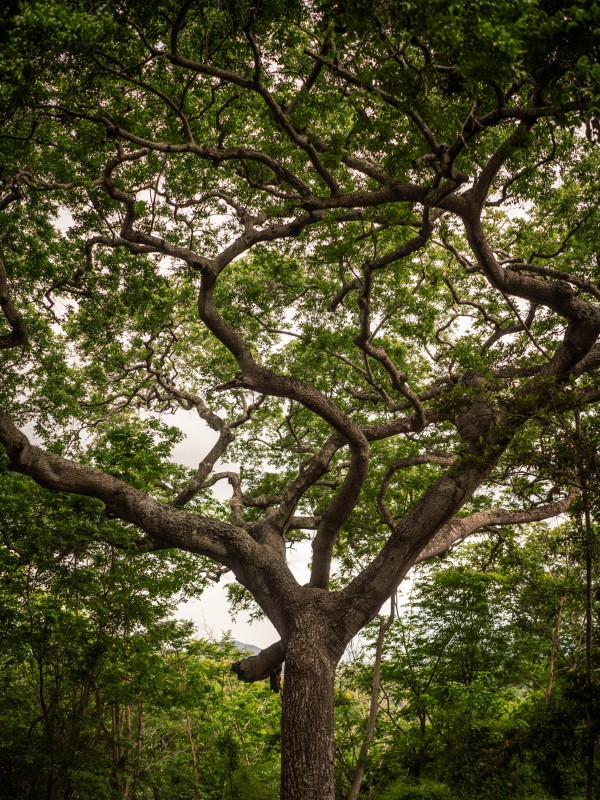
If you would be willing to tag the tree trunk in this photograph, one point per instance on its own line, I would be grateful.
(188, 730)
(384, 626)
(589, 622)
(555, 635)
(307, 720)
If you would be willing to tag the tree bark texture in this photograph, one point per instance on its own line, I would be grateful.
(307, 746)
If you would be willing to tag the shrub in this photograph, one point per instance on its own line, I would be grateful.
(424, 790)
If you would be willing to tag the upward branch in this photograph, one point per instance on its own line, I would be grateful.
(258, 378)
(458, 529)
(18, 335)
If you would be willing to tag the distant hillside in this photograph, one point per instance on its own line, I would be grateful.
(246, 648)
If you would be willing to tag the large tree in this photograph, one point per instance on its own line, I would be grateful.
(356, 239)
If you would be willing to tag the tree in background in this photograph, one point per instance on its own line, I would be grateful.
(485, 688)
(357, 240)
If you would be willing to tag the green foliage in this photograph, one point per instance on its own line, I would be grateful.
(115, 332)
(101, 687)
(465, 677)
(424, 790)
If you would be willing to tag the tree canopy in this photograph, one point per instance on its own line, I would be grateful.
(358, 240)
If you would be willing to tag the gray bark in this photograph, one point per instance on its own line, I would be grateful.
(307, 744)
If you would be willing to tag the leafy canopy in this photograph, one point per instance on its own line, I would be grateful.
(322, 227)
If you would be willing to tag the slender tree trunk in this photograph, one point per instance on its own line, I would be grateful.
(555, 635)
(116, 750)
(589, 610)
(556, 631)
(587, 464)
(138, 751)
(579, 648)
(307, 746)
(384, 626)
(188, 730)
(127, 751)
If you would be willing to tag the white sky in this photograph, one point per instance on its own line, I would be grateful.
(210, 613)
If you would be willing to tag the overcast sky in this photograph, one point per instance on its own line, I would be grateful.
(211, 612)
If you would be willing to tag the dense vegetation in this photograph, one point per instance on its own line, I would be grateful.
(484, 691)
(358, 243)
(104, 695)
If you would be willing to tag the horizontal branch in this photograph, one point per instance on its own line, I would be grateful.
(266, 664)
(213, 154)
(460, 528)
(168, 526)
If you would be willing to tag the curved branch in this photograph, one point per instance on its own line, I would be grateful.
(548, 272)
(258, 378)
(558, 295)
(572, 231)
(363, 340)
(406, 463)
(204, 469)
(309, 473)
(168, 526)
(213, 154)
(488, 173)
(459, 528)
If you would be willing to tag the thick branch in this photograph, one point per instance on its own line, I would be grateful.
(167, 525)
(267, 664)
(459, 528)
(442, 500)
(440, 197)
(557, 295)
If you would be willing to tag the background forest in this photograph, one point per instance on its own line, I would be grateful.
(104, 695)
